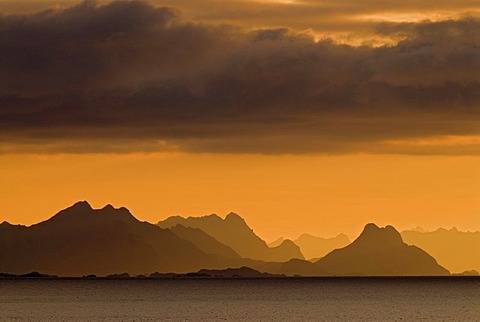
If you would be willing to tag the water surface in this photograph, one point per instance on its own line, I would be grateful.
(302, 299)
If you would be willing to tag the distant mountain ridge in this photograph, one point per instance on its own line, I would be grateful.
(316, 247)
(380, 252)
(82, 241)
(458, 251)
(234, 232)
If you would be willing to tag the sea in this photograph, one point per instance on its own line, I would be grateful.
(241, 299)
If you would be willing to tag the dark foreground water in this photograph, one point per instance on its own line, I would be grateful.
(439, 299)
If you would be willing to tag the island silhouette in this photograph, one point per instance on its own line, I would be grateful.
(82, 241)
(379, 252)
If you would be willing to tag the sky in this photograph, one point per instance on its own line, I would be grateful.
(301, 116)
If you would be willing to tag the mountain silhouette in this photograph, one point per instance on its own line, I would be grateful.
(456, 250)
(80, 240)
(316, 247)
(234, 232)
(204, 242)
(380, 252)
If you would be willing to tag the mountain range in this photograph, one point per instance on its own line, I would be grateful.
(80, 240)
(234, 232)
(458, 251)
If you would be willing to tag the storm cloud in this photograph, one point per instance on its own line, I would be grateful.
(128, 76)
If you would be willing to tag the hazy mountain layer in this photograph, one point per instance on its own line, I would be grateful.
(316, 247)
(379, 252)
(458, 251)
(234, 232)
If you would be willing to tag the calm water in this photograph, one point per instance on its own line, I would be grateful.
(247, 299)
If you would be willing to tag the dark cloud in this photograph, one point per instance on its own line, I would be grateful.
(131, 77)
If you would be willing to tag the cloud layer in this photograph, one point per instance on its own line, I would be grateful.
(128, 76)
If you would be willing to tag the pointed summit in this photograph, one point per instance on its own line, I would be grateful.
(233, 216)
(373, 234)
(109, 207)
(81, 205)
(77, 210)
(235, 219)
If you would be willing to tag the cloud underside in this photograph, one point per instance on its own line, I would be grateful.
(130, 77)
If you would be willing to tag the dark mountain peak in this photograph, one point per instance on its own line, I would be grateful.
(374, 234)
(236, 219)
(77, 209)
(109, 207)
(82, 213)
(370, 227)
(288, 243)
(80, 206)
(391, 230)
(122, 211)
(6, 224)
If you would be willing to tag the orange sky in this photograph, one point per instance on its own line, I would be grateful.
(277, 195)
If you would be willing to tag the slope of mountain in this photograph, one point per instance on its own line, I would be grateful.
(80, 241)
(456, 250)
(234, 232)
(380, 252)
(204, 242)
(316, 247)
(286, 251)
